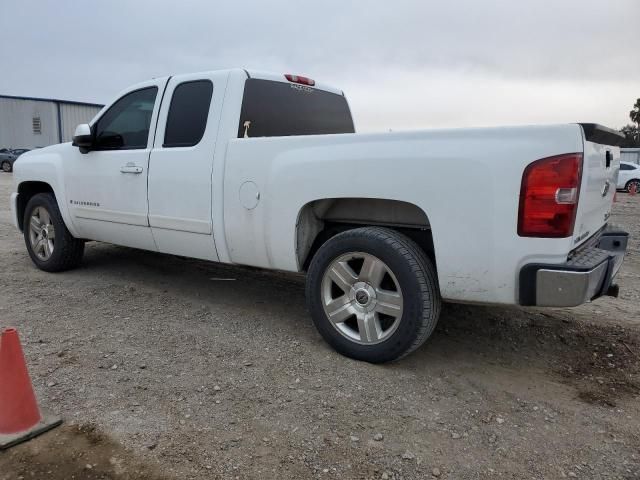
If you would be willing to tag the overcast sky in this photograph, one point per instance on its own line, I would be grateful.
(403, 64)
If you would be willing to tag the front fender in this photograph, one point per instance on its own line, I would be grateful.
(46, 166)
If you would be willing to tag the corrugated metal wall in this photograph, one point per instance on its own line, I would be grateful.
(630, 155)
(16, 123)
(72, 115)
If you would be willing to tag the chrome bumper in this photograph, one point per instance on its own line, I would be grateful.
(587, 275)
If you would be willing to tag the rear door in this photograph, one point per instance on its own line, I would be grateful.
(600, 168)
(181, 164)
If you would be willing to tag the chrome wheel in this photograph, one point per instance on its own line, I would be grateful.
(6, 166)
(42, 234)
(362, 298)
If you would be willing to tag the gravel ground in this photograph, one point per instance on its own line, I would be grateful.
(164, 367)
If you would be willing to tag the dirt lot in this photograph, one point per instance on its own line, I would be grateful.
(162, 369)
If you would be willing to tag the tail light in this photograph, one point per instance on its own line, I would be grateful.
(300, 80)
(549, 196)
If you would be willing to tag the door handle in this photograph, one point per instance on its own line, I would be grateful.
(131, 169)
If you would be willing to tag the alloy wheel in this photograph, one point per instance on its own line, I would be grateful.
(362, 298)
(42, 234)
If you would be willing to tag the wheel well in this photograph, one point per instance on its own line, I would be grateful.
(320, 220)
(26, 190)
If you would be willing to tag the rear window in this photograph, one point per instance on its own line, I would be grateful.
(279, 109)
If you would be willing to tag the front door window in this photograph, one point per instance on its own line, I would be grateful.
(126, 124)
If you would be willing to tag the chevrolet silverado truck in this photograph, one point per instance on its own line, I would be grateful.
(266, 170)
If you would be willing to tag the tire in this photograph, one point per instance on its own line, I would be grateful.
(6, 166)
(64, 251)
(394, 306)
(635, 182)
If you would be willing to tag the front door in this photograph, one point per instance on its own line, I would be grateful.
(107, 187)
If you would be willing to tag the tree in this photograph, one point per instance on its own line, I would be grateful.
(631, 132)
(632, 136)
(634, 114)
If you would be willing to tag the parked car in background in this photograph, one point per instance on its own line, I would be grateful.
(629, 175)
(9, 156)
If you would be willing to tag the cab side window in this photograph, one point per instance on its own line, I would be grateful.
(188, 112)
(126, 124)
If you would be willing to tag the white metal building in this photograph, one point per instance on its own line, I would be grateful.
(27, 122)
(630, 155)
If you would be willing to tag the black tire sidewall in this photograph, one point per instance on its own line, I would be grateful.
(47, 201)
(410, 324)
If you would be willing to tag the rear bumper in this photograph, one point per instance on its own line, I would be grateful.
(587, 275)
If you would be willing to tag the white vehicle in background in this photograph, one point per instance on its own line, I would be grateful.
(629, 177)
(266, 170)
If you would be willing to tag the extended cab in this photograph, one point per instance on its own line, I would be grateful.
(265, 170)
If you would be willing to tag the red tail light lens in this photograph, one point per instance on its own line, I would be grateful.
(300, 80)
(549, 196)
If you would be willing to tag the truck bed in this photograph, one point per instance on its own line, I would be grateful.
(466, 181)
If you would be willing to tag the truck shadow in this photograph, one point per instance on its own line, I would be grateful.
(600, 361)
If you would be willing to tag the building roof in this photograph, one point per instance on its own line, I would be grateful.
(55, 100)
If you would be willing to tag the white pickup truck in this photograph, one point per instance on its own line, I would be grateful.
(258, 169)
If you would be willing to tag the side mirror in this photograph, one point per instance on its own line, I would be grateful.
(83, 138)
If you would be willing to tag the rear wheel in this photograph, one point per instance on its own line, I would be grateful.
(6, 166)
(631, 183)
(373, 294)
(50, 245)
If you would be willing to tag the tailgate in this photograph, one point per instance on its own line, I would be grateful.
(599, 176)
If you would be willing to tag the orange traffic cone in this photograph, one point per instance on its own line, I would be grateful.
(20, 417)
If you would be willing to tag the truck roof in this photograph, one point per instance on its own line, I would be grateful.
(280, 77)
(272, 76)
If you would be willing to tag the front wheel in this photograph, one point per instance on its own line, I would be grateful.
(373, 294)
(6, 166)
(50, 245)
